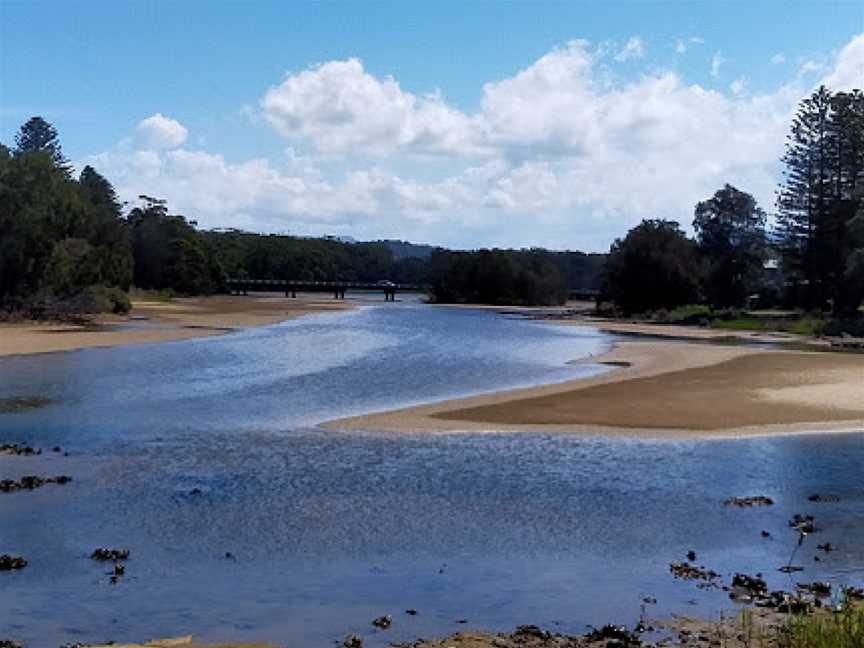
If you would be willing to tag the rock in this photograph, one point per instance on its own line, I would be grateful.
(790, 569)
(383, 622)
(823, 498)
(56, 449)
(30, 482)
(353, 641)
(229, 555)
(411, 612)
(826, 547)
(686, 571)
(531, 631)
(119, 569)
(195, 491)
(614, 636)
(803, 523)
(748, 502)
(104, 554)
(691, 555)
(18, 449)
(854, 593)
(8, 563)
(8, 643)
(766, 534)
(753, 585)
(816, 588)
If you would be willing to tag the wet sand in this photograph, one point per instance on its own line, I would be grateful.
(664, 389)
(179, 319)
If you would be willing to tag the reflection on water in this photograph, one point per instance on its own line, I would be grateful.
(328, 530)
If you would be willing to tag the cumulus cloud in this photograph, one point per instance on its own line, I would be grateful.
(848, 72)
(342, 108)
(777, 59)
(160, 132)
(554, 155)
(633, 49)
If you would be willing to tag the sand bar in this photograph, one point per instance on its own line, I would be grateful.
(179, 319)
(662, 389)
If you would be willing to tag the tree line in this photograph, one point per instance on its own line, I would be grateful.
(68, 245)
(811, 258)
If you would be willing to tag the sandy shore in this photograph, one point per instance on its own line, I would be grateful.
(179, 319)
(658, 388)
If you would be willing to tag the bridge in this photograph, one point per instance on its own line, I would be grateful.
(292, 286)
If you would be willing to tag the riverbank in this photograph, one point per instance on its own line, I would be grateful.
(157, 321)
(657, 388)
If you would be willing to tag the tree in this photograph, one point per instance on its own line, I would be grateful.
(730, 231)
(37, 135)
(655, 266)
(819, 197)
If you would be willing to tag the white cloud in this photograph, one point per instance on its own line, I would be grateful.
(848, 72)
(681, 45)
(738, 86)
(778, 58)
(716, 62)
(634, 49)
(809, 67)
(341, 107)
(555, 155)
(160, 132)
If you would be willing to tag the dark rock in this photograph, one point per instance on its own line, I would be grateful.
(826, 547)
(8, 643)
(411, 612)
(229, 555)
(195, 491)
(766, 534)
(104, 554)
(691, 555)
(119, 569)
(748, 502)
(8, 563)
(18, 449)
(803, 523)
(686, 571)
(30, 482)
(753, 585)
(790, 569)
(615, 636)
(531, 631)
(816, 588)
(823, 498)
(383, 622)
(353, 641)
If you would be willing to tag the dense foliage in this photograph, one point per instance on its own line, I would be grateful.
(67, 246)
(63, 245)
(821, 222)
(655, 266)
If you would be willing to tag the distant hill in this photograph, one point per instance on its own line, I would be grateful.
(405, 250)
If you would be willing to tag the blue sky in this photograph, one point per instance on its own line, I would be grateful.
(98, 69)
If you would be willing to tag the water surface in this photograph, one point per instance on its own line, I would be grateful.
(330, 529)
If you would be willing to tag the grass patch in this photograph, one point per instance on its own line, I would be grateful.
(843, 629)
(800, 326)
(14, 405)
(139, 294)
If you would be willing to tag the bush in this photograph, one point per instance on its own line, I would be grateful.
(849, 326)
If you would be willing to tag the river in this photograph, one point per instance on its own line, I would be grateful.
(328, 530)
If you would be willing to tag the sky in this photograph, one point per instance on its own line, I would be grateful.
(466, 124)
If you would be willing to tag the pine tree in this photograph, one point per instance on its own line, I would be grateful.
(805, 196)
(37, 135)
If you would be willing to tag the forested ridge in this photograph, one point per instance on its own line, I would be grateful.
(69, 246)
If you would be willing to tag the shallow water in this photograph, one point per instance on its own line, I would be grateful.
(330, 529)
